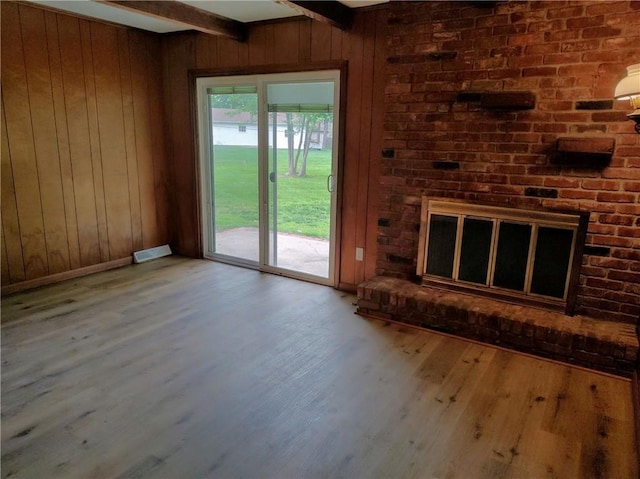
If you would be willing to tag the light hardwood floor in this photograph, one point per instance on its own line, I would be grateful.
(187, 369)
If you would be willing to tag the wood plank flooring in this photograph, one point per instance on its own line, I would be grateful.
(183, 368)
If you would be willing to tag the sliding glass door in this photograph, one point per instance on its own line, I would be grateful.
(268, 156)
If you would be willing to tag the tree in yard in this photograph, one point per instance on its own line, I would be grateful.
(290, 134)
(310, 124)
(238, 103)
(303, 122)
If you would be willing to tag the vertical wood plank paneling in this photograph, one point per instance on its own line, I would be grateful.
(70, 157)
(94, 139)
(10, 225)
(213, 52)
(257, 39)
(227, 52)
(74, 87)
(243, 54)
(104, 43)
(45, 140)
(62, 137)
(95, 193)
(5, 277)
(130, 138)
(353, 51)
(336, 44)
(181, 58)
(163, 186)
(144, 138)
(364, 151)
(320, 42)
(171, 130)
(202, 51)
(269, 45)
(377, 120)
(304, 40)
(23, 156)
(286, 47)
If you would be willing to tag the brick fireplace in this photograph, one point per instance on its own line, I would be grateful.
(510, 104)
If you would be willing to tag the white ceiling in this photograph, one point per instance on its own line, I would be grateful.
(244, 10)
(100, 11)
(240, 10)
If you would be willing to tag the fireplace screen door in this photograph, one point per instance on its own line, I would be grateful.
(268, 160)
(503, 250)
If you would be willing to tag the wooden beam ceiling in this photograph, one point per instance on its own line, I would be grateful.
(184, 14)
(331, 12)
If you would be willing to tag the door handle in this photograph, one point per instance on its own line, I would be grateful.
(330, 183)
(272, 177)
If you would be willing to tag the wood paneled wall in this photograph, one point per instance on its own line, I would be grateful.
(298, 41)
(85, 178)
(88, 174)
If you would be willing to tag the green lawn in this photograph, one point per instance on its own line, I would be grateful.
(303, 203)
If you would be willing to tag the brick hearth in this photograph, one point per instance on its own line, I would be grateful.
(604, 345)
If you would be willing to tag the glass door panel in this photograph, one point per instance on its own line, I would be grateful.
(475, 251)
(234, 171)
(443, 230)
(552, 258)
(512, 255)
(301, 179)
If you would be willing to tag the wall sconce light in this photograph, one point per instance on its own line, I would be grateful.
(629, 89)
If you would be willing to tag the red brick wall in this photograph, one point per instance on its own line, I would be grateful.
(570, 55)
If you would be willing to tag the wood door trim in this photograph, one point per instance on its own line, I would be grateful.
(265, 70)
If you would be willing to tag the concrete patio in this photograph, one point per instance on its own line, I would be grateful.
(295, 252)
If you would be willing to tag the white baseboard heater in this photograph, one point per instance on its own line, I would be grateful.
(145, 255)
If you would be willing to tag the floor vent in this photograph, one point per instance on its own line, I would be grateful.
(151, 253)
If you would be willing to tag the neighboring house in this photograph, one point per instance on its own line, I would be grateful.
(239, 128)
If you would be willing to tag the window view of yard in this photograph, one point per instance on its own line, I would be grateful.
(303, 208)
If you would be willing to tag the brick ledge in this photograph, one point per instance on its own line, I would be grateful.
(603, 345)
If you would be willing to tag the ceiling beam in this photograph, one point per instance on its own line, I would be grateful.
(184, 14)
(331, 11)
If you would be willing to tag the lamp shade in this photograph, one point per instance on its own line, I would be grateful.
(630, 85)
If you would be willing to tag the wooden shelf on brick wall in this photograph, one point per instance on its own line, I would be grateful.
(589, 146)
(586, 151)
(508, 100)
(501, 100)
